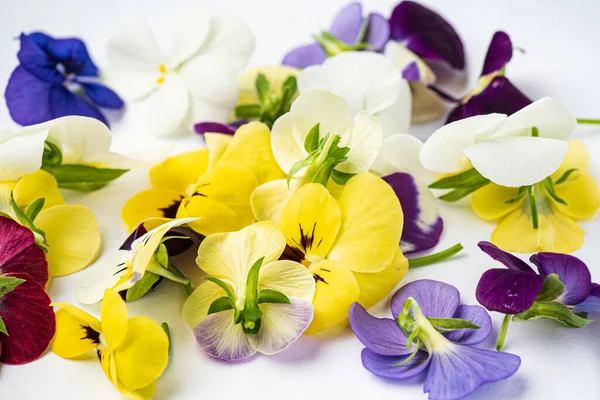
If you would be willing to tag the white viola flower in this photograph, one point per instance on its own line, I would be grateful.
(366, 81)
(195, 81)
(21, 151)
(519, 150)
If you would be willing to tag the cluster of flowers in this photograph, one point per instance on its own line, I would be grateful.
(304, 205)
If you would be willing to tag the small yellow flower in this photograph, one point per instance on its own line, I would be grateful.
(134, 352)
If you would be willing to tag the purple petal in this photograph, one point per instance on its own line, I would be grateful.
(499, 53)
(457, 371)
(70, 52)
(507, 290)
(102, 96)
(174, 246)
(63, 103)
(27, 98)
(305, 56)
(411, 72)
(378, 31)
(380, 335)
(347, 23)
(591, 304)
(509, 260)
(385, 366)
(214, 127)
(436, 299)
(500, 96)
(221, 338)
(426, 34)
(36, 61)
(477, 315)
(423, 225)
(573, 273)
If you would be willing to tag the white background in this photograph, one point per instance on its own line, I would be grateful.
(561, 59)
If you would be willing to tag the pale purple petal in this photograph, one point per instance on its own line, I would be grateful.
(509, 260)
(591, 304)
(347, 23)
(508, 291)
(436, 299)
(573, 273)
(378, 31)
(214, 127)
(499, 53)
(457, 371)
(411, 72)
(305, 56)
(380, 335)
(386, 366)
(423, 225)
(477, 315)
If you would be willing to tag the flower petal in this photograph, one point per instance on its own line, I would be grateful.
(180, 171)
(380, 335)
(193, 26)
(23, 91)
(221, 338)
(63, 103)
(347, 24)
(37, 185)
(150, 203)
(276, 75)
(436, 299)
(21, 153)
(77, 332)
(477, 315)
(508, 291)
(281, 325)
(491, 201)
(268, 199)
(591, 304)
(427, 105)
(103, 275)
(510, 261)
(577, 157)
(197, 305)
(102, 96)
(498, 54)
(214, 127)
(387, 366)
(365, 143)
(288, 277)
(378, 31)
(114, 318)
(460, 370)
(33, 57)
(167, 107)
(582, 197)
(400, 153)
(305, 56)
(402, 58)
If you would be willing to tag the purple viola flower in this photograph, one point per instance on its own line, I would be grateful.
(430, 329)
(55, 78)
(350, 30)
(562, 289)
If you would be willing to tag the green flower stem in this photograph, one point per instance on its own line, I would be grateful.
(433, 258)
(533, 206)
(503, 329)
(189, 289)
(588, 121)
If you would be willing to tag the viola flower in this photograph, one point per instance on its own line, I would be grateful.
(69, 232)
(55, 78)
(196, 81)
(213, 184)
(137, 265)
(429, 328)
(26, 317)
(133, 352)
(349, 31)
(366, 81)
(562, 289)
(252, 302)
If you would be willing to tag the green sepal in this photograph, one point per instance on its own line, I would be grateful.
(83, 178)
(8, 284)
(167, 330)
(452, 324)
(519, 196)
(252, 283)
(549, 186)
(52, 155)
(533, 206)
(411, 355)
(223, 286)
(311, 142)
(300, 165)
(248, 111)
(341, 178)
(162, 256)
(459, 194)
(251, 327)
(156, 267)
(464, 180)
(3, 327)
(141, 287)
(565, 176)
(324, 172)
(263, 87)
(34, 208)
(551, 289)
(405, 320)
(535, 132)
(553, 310)
(220, 304)
(272, 296)
(24, 220)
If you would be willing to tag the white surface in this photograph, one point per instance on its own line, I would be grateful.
(561, 60)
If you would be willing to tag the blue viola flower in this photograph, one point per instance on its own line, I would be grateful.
(55, 78)
(432, 330)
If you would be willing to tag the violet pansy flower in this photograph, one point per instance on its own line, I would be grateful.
(350, 30)
(55, 78)
(431, 330)
(562, 289)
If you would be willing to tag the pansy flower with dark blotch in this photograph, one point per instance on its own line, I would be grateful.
(430, 329)
(350, 30)
(562, 289)
(55, 78)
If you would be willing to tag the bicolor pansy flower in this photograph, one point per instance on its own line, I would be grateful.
(252, 301)
(430, 330)
(133, 352)
(55, 78)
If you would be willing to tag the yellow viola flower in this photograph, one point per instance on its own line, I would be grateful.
(72, 234)
(213, 184)
(134, 352)
(576, 197)
(350, 245)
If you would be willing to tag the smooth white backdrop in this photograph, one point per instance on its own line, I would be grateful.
(560, 59)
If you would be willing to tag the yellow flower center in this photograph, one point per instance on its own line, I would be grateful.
(163, 70)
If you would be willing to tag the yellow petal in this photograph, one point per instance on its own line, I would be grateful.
(178, 172)
(251, 148)
(143, 355)
(150, 203)
(577, 157)
(556, 233)
(221, 200)
(73, 237)
(216, 143)
(113, 314)
(35, 186)
(288, 277)
(337, 290)
(275, 74)
(372, 223)
(268, 199)
(197, 305)
(75, 332)
(311, 220)
(145, 393)
(489, 202)
(582, 196)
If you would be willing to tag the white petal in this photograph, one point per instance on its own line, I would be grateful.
(517, 161)
(442, 152)
(193, 26)
(21, 152)
(401, 57)
(230, 39)
(426, 104)
(197, 305)
(95, 280)
(287, 149)
(397, 118)
(167, 107)
(281, 325)
(365, 143)
(400, 153)
(288, 277)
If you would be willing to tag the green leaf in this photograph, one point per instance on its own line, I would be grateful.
(220, 304)
(24, 219)
(553, 310)
(458, 194)
(341, 178)
(165, 327)
(464, 180)
(141, 287)
(549, 186)
(223, 286)
(565, 176)
(263, 87)
(452, 323)
(311, 143)
(252, 282)
(8, 284)
(3, 327)
(272, 296)
(247, 111)
(551, 289)
(298, 166)
(162, 256)
(324, 172)
(34, 208)
(83, 178)
(52, 155)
